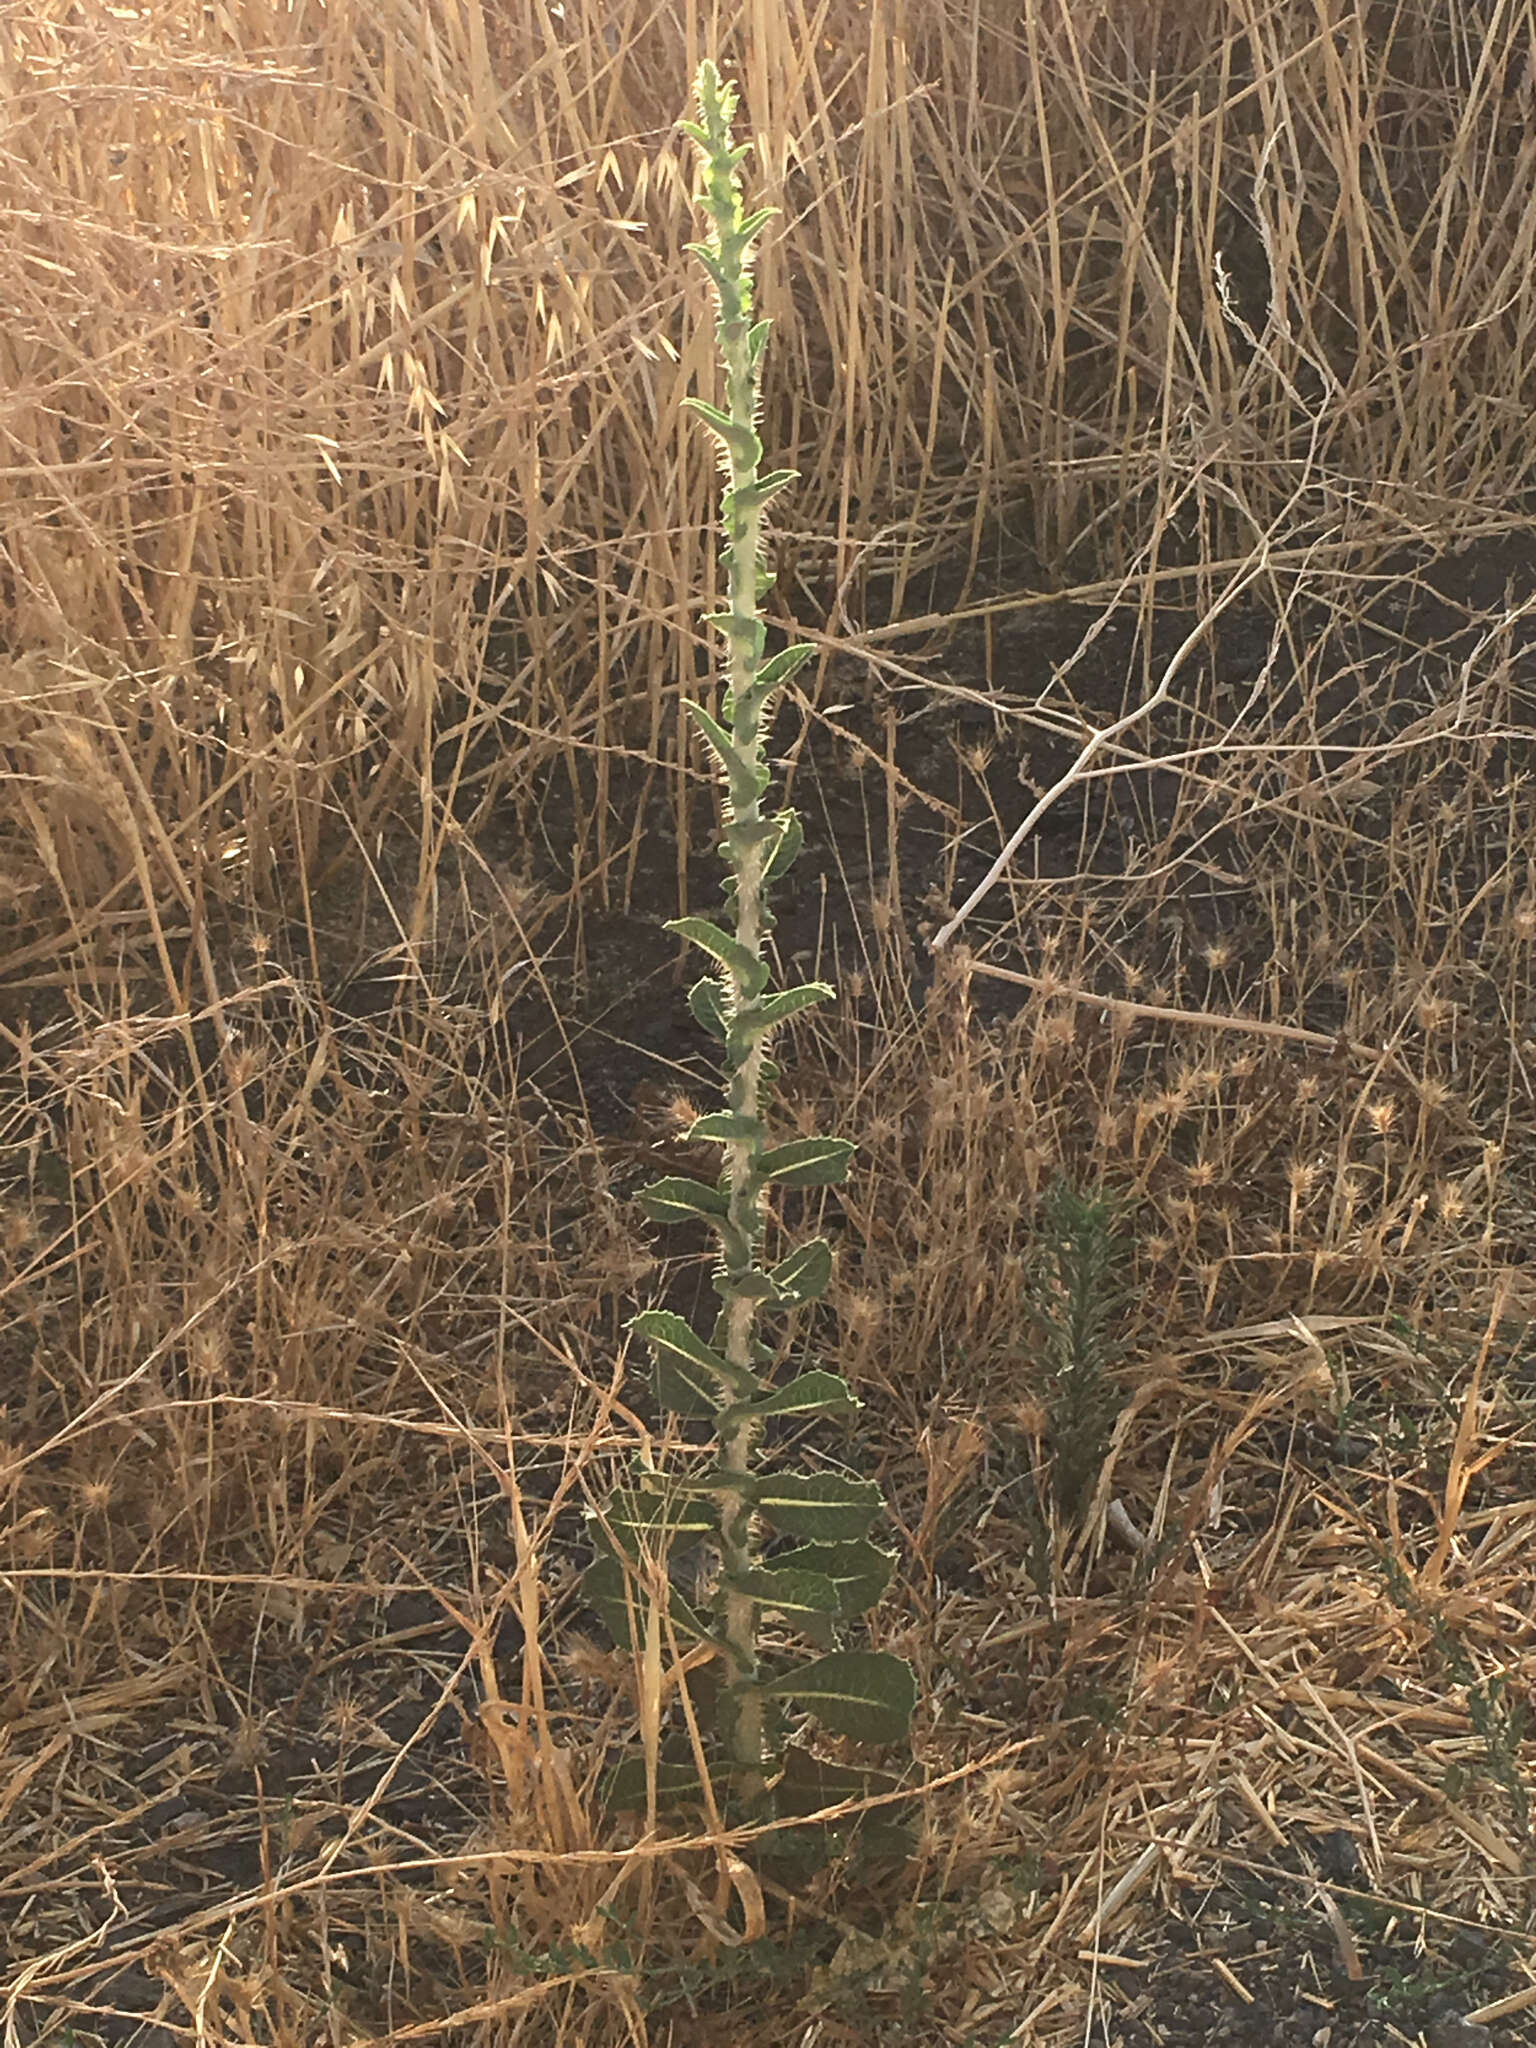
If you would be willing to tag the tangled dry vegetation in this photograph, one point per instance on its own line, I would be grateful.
(352, 550)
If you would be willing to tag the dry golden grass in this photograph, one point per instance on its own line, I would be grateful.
(353, 545)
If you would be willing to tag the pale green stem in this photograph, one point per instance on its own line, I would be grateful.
(746, 1080)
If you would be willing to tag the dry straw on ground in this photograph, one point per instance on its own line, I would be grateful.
(352, 551)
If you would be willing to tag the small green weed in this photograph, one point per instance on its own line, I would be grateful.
(664, 1982)
(1501, 1720)
(1074, 1297)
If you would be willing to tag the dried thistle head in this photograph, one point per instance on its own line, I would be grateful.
(1054, 1034)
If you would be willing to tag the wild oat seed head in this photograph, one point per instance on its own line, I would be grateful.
(245, 1063)
(18, 1228)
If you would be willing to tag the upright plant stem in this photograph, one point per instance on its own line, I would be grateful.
(837, 1574)
(747, 845)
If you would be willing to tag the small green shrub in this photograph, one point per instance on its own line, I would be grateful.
(1074, 1299)
(1499, 1717)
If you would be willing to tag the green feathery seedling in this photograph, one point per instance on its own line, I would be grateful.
(837, 1573)
(1073, 1301)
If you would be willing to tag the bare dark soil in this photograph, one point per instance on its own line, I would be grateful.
(905, 794)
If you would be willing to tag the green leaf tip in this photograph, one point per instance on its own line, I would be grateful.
(808, 1162)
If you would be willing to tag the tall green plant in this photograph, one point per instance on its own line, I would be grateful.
(836, 1573)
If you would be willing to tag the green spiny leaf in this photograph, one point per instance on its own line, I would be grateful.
(807, 1162)
(804, 1275)
(775, 1008)
(737, 959)
(719, 739)
(864, 1693)
(679, 1199)
(706, 1001)
(754, 223)
(788, 1592)
(744, 446)
(810, 1783)
(787, 852)
(640, 1524)
(825, 1507)
(742, 836)
(744, 626)
(712, 416)
(724, 1127)
(809, 1393)
(787, 662)
(621, 1603)
(684, 1389)
(860, 1570)
(752, 497)
(674, 1341)
(753, 1285)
